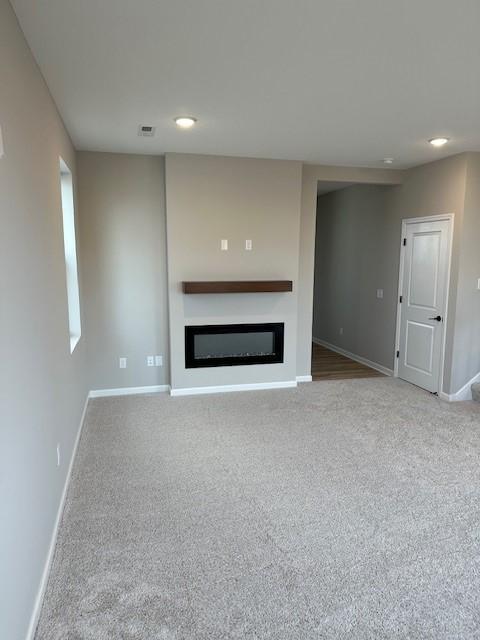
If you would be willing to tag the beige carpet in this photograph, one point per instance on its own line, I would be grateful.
(336, 510)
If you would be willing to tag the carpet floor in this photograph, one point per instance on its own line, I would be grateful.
(341, 509)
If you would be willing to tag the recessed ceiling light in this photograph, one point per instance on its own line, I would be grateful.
(388, 161)
(185, 122)
(438, 142)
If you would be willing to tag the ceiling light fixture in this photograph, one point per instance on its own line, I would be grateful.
(388, 161)
(185, 122)
(438, 142)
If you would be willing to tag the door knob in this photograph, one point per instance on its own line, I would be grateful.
(437, 318)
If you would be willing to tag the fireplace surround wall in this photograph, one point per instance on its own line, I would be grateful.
(210, 198)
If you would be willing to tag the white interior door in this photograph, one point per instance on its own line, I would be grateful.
(424, 289)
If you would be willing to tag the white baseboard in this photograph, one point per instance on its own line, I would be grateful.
(128, 391)
(32, 627)
(226, 388)
(353, 356)
(304, 378)
(465, 393)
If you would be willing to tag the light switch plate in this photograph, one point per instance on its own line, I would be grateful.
(224, 245)
(2, 152)
(159, 361)
(380, 293)
(122, 363)
(248, 245)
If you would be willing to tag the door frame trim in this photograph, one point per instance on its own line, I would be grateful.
(450, 217)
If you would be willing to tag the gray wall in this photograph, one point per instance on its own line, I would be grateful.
(435, 188)
(123, 242)
(210, 198)
(43, 387)
(124, 266)
(466, 339)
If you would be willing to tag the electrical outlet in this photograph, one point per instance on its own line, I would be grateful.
(159, 361)
(224, 245)
(150, 361)
(58, 454)
(248, 245)
(340, 331)
(122, 363)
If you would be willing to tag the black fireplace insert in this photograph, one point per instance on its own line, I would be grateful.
(223, 345)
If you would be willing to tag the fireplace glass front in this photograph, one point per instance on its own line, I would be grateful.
(233, 344)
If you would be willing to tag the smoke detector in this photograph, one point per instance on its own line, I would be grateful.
(146, 131)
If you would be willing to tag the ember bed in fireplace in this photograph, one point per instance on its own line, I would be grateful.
(220, 345)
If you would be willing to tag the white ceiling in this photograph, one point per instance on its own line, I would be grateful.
(327, 81)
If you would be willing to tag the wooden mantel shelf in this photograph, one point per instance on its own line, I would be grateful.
(238, 286)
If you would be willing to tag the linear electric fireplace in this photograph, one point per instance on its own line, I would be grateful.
(220, 345)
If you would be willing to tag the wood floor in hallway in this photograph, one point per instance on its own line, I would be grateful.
(328, 365)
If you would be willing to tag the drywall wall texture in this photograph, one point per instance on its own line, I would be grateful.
(210, 198)
(466, 338)
(43, 386)
(376, 216)
(351, 263)
(122, 242)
